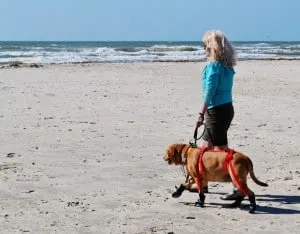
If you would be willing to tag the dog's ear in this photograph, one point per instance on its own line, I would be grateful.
(184, 153)
(181, 151)
(178, 149)
(176, 153)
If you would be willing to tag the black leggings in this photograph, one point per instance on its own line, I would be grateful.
(217, 122)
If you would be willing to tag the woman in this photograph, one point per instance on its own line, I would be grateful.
(217, 109)
(217, 81)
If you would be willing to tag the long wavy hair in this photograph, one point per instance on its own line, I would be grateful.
(220, 48)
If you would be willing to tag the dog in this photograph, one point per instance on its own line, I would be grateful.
(213, 166)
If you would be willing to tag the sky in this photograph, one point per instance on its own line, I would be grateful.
(148, 20)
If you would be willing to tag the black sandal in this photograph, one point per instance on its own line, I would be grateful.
(235, 195)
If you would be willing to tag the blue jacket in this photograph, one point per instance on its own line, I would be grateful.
(217, 82)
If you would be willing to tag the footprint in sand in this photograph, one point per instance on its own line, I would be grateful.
(10, 155)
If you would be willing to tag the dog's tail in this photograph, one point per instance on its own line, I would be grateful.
(252, 175)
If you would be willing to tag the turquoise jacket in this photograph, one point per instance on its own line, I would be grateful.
(217, 82)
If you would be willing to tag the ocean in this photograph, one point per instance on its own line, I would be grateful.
(52, 52)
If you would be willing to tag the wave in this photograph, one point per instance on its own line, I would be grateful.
(129, 50)
(166, 48)
(73, 52)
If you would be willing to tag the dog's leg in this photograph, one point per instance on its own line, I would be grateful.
(187, 177)
(193, 188)
(239, 180)
(205, 186)
(252, 204)
(200, 201)
(241, 184)
(240, 198)
(178, 191)
(185, 186)
(182, 187)
(251, 196)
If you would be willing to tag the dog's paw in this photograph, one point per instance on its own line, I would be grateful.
(252, 208)
(199, 203)
(178, 191)
(176, 194)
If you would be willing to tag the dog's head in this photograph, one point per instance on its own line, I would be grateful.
(176, 154)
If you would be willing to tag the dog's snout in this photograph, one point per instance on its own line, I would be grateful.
(166, 158)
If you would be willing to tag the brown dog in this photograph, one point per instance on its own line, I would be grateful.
(214, 167)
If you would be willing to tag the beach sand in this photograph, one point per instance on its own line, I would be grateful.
(82, 148)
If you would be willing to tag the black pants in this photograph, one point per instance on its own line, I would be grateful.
(217, 122)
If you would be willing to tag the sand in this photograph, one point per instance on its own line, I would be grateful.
(82, 145)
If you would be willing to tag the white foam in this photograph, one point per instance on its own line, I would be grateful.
(56, 53)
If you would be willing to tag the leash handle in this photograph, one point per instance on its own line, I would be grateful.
(194, 145)
(195, 135)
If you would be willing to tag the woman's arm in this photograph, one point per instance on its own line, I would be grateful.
(212, 81)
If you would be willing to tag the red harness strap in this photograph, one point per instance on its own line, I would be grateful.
(228, 158)
(228, 162)
(240, 186)
(200, 166)
(200, 158)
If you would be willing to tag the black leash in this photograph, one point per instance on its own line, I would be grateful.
(194, 144)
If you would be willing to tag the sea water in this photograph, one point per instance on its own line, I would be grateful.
(47, 52)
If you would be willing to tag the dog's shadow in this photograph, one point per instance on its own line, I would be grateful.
(279, 199)
(273, 209)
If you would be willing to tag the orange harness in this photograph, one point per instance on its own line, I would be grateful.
(227, 163)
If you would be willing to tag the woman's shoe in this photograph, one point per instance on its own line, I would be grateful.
(235, 195)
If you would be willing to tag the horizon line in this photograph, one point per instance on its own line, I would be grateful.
(142, 41)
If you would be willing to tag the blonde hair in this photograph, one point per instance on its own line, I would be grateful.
(221, 49)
